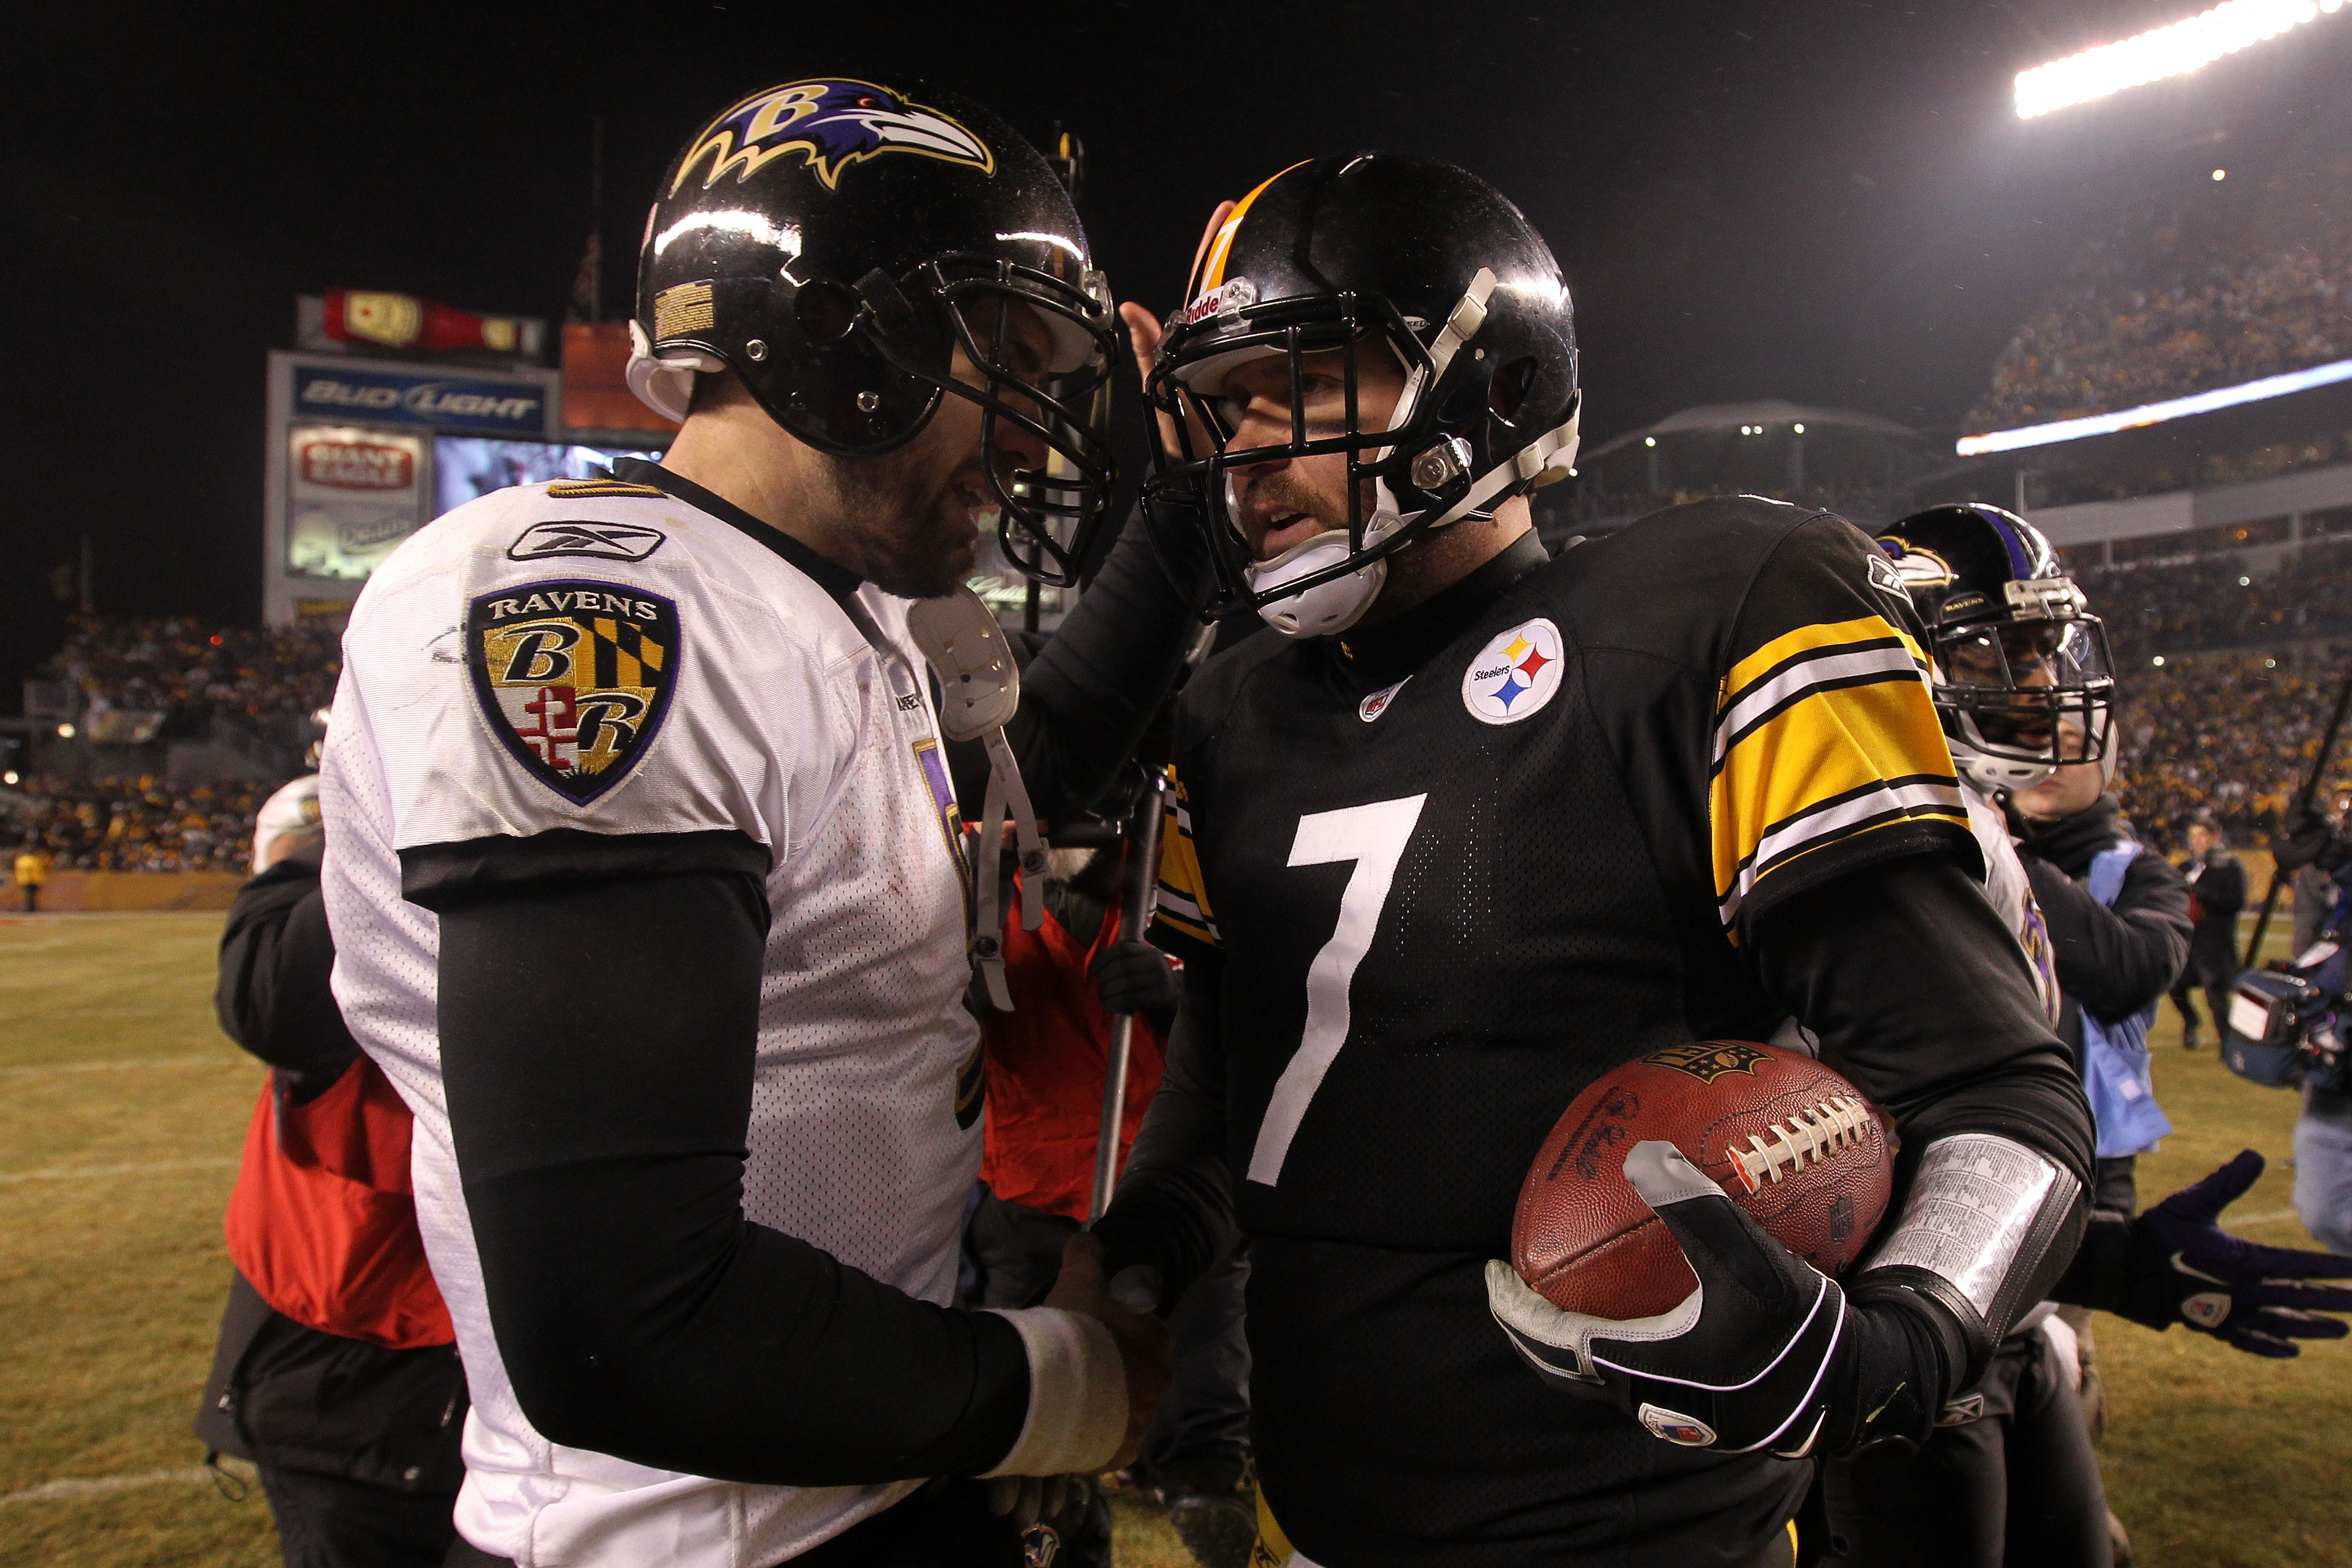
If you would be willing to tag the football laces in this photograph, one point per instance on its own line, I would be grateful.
(1807, 1138)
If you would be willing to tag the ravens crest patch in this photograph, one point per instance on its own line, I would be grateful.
(575, 678)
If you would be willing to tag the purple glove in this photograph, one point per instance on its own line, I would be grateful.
(2182, 1266)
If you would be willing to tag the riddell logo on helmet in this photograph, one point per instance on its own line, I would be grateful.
(1237, 294)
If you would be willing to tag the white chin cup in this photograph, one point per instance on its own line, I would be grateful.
(1996, 775)
(1326, 607)
(664, 385)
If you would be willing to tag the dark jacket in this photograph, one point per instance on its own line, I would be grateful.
(280, 1393)
(2114, 961)
(2217, 887)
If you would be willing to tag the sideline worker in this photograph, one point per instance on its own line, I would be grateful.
(337, 1373)
(32, 870)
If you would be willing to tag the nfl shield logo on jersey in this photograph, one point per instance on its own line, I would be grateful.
(575, 678)
(1515, 675)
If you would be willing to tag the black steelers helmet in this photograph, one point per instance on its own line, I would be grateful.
(833, 242)
(1375, 254)
(2021, 675)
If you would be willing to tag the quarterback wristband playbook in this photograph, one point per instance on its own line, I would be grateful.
(1770, 1355)
(1977, 1232)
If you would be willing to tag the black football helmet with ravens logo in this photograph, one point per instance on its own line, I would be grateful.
(1371, 253)
(2023, 679)
(833, 242)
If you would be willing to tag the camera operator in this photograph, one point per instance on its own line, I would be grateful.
(2314, 889)
(2217, 892)
(2323, 1134)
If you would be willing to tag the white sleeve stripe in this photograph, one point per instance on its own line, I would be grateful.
(1885, 801)
(1831, 665)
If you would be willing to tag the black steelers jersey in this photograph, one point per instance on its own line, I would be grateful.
(1452, 870)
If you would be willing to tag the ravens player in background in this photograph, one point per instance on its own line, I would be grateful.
(2027, 693)
(649, 895)
(1479, 826)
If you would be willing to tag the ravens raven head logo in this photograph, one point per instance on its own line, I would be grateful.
(831, 124)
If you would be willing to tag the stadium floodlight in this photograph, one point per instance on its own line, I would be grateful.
(2154, 412)
(2168, 51)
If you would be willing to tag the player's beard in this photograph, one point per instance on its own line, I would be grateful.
(915, 535)
(1281, 490)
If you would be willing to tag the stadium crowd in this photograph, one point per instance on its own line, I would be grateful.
(140, 824)
(2227, 736)
(2217, 602)
(190, 672)
(2180, 297)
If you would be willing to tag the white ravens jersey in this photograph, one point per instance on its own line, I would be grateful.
(602, 656)
(2007, 886)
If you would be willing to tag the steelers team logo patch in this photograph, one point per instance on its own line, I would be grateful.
(575, 678)
(1516, 675)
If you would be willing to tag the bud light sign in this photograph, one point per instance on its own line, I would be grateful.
(389, 397)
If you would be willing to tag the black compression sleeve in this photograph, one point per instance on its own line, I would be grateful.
(1922, 998)
(597, 1042)
(1087, 698)
(276, 957)
(1174, 1207)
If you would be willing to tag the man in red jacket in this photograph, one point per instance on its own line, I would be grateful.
(1045, 1065)
(337, 1373)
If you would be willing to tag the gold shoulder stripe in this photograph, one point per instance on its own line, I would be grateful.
(1831, 747)
(1183, 892)
(583, 489)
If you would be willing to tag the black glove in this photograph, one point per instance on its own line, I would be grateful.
(1136, 977)
(1743, 1363)
(2308, 838)
(2182, 1268)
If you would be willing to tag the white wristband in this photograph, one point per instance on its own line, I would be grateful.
(1078, 1395)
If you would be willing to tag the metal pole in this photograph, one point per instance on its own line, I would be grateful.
(1142, 885)
(596, 220)
(2310, 793)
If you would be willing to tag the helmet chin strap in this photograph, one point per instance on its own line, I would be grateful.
(1326, 607)
(980, 691)
(1334, 606)
(666, 385)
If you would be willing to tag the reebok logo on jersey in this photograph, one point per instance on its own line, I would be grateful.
(1516, 675)
(601, 541)
(1887, 579)
(575, 678)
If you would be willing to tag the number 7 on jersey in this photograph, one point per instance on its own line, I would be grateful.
(1374, 837)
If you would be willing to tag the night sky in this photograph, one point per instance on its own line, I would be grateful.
(1821, 200)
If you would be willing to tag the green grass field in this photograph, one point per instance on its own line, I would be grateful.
(122, 1108)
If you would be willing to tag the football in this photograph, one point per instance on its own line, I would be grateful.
(1796, 1146)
